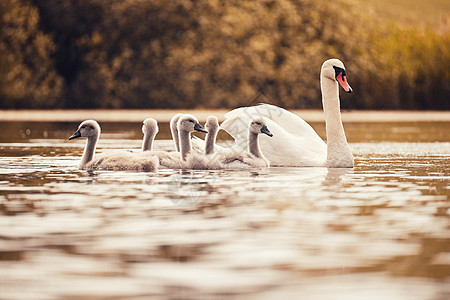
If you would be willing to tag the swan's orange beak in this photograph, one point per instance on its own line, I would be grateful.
(343, 82)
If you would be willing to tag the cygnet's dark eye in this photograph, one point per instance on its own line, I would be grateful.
(192, 121)
(258, 123)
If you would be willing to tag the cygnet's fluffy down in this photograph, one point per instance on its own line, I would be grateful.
(206, 159)
(150, 129)
(171, 160)
(185, 125)
(174, 131)
(122, 160)
(235, 158)
(199, 161)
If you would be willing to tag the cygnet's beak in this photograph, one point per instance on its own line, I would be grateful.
(77, 134)
(266, 130)
(200, 128)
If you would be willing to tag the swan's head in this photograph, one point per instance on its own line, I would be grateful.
(150, 126)
(212, 123)
(174, 121)
(86, 129)
(334, 69)
(190, 123)
(258, 126)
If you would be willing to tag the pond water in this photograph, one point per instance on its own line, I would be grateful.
(378, 231)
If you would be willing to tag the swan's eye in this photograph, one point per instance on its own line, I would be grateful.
(338, 70)
(192, 121)
(258, 123)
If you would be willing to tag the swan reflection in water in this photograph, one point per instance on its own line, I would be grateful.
(335, 175)
(191, 187)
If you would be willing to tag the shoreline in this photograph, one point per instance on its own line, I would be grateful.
(164, 115)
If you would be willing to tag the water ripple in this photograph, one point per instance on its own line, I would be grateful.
(276, 232)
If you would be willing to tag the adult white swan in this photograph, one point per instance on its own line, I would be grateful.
(294, 142)
(121, 160)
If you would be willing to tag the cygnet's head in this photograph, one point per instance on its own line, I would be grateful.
(334, 69)
(150, 126)
(190, 123)
(258, 126)
(174, 120)
(86, 129)
(212, 123)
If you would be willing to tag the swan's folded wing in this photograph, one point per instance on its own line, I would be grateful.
(294, 142)
(285, 149)
(289, 121)
(237, 127)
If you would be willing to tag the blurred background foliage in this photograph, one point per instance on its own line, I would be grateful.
(216, 54)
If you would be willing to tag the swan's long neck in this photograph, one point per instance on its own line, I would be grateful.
(175, 136)
(253, 145)
(147, 144)
(338, 151)
(185, 143)
(89, 150)
(211, 137)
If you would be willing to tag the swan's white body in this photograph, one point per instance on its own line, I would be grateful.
(295, 143)
(123, 160)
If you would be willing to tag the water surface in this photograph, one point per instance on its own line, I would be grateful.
(378, 231)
